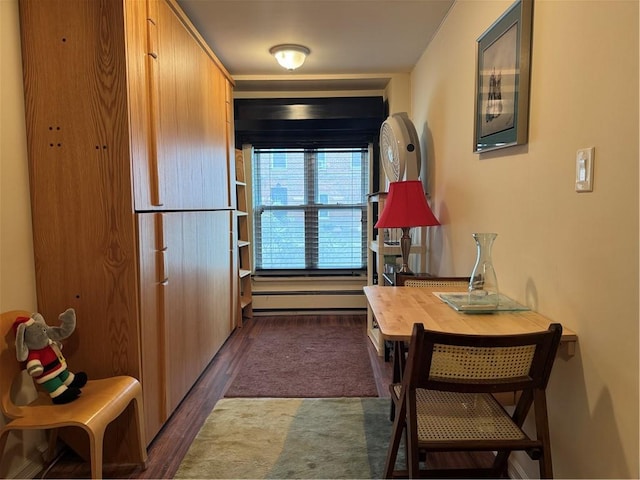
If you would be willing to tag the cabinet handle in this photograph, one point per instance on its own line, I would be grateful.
(152, 11)
(152, 38)
(154, 172)
(161, 266)
(152, 75)
(159, 231)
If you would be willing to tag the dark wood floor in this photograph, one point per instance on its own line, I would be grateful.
(171, 444)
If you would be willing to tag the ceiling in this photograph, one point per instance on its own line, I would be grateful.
(355, 44)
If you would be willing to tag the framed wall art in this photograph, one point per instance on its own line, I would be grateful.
(503, 57)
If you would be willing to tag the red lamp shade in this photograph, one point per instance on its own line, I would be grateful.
(406, 206)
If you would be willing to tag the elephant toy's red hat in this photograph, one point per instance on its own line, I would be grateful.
(26, 320)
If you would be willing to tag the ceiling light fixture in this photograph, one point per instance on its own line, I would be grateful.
(290, 56)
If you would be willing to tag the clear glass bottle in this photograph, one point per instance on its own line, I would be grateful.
(483, 283)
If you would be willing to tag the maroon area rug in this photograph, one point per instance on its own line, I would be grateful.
(311, 359)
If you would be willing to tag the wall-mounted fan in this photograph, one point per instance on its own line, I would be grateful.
(399, 148)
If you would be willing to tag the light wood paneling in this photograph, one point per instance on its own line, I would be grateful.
(152, 285)
(192, 140)
(142, 92)
(197, 313)
(78, 142)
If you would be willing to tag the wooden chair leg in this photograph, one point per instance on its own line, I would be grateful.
(413, 456)
(542, 432)
(392, 453)
(399, 362)
(396, 435)
(142, 448)
(546, 470)
(96, 439)
(500, 463)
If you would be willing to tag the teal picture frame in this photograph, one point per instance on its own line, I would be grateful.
(503, 61)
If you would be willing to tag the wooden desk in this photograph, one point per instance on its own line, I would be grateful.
(396, 309)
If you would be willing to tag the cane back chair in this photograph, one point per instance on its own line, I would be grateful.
(399, 349)
(445, 400)
(411, 280)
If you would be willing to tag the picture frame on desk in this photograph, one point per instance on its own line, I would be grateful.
(503, 58)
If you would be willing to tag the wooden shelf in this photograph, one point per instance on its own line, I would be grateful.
(245, 309)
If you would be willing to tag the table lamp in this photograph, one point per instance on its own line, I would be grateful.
(406, 207)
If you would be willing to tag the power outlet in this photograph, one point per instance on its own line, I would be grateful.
(584, 169)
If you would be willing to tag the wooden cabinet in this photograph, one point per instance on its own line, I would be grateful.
(191, 107)
(131, 166)
(184, 280)
(197, 295)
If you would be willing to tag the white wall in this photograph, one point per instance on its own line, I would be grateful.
(398, 93)
(571, 256)
(17, 274)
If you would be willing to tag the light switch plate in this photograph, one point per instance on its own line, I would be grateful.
(584, 169)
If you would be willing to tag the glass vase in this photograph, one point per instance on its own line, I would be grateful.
(483, 283)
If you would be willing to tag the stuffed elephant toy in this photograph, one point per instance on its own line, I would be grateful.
(38, 344)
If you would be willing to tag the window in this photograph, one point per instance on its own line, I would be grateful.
(309, 217)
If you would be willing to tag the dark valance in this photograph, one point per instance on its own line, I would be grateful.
(308, 122)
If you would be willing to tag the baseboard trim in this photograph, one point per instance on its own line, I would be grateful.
(32, 464)
(515, 470)
(30, 469)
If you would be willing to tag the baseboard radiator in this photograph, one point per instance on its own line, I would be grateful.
(296, 295)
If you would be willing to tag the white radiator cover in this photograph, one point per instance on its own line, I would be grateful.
(308, 293)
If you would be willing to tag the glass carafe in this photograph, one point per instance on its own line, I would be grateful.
(483, 283)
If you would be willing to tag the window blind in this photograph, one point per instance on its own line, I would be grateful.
(309, 209)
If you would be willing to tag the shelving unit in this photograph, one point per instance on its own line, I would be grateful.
(377, 249)
(245, 308)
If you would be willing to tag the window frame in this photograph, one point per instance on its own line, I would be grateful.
(312, 211)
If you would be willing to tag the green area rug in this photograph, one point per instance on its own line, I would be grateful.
(291, 438)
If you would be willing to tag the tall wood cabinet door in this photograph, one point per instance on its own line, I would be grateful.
(197, 318)
(231, 150)
(142, 72)
(78, 150)
(188, 120)
(153, 282)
